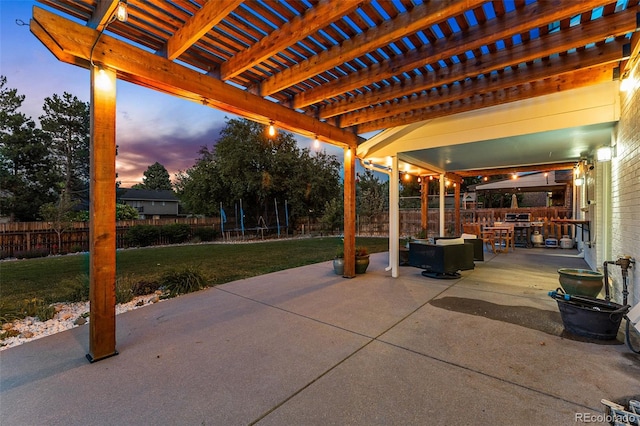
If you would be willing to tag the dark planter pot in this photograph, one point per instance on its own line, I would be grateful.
(338, 266)
(583, 282)
(589, 317)
(362, 263)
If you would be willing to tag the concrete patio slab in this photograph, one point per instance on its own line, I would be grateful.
(304, 346)
(387, 385)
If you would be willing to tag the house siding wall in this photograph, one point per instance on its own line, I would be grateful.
(625, 191)
(155, 208)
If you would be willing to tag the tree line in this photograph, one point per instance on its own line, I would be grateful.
(44, 171)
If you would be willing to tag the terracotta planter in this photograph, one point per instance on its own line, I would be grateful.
(584, 282)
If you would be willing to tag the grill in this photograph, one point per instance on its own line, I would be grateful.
(520, 220)
(522, 227)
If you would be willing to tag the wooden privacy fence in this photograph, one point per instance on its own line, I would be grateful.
(27, 238)
(410, 221)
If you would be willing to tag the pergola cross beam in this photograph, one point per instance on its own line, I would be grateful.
(74, 43)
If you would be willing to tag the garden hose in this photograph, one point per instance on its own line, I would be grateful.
(628, 336)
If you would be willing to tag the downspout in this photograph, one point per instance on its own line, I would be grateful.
(394, 193)
(394, 218)
(605, 236)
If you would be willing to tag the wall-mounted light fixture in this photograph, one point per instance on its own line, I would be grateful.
(102, 80)
(578, 181)
(628, 83)
(604, 153)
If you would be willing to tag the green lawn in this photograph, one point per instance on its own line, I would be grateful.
(48, 278)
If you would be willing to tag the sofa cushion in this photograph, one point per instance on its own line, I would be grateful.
(449, 241)
(468, 236)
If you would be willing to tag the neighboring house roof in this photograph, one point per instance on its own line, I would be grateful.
(149, 195)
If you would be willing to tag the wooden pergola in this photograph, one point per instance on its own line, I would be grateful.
(327, 69)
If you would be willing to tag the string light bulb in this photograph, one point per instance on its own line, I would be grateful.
(407, 176)
(121, 12)
(316, 143)
(272, 129)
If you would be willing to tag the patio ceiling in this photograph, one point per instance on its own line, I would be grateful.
(339, 69)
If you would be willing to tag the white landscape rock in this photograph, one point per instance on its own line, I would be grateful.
(68, 315)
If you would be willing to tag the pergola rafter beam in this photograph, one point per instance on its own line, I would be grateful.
(531, 16)
(594, 56)
(72, 43)
(317, 18)
(559, 83)
(103, 13)
(200, 23)
(420, 17)
(614, 25)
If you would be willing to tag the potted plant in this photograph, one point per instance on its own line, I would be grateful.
(362, 260)
(422, 237)
(338, 261)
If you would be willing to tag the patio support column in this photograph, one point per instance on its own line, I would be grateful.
(102, 214)
(442, 205)
(456, 192)
(424, 205)
(349, 213)
(394, 217)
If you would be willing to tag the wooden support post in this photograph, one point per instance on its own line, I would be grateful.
(102, 213)
(349, 213)
(424, 206)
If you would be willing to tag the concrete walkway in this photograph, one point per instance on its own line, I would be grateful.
(306, 347)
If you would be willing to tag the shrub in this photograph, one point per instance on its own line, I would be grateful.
(142, 235)
(124, 289)
(142, 288)
(181, 281)
(76, 289)
(205, 234)
(8, 312)
(31, 254)
(37, 307)
(176, 233)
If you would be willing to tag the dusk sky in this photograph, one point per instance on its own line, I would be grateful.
(151, 126)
